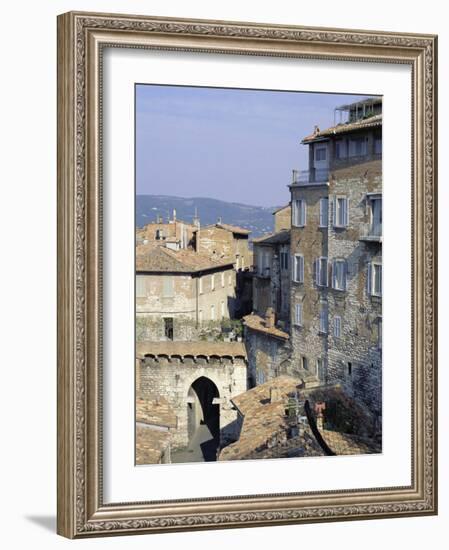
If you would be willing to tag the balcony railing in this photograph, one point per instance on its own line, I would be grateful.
(306, 177)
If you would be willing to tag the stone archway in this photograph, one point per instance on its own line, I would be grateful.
(203, 418)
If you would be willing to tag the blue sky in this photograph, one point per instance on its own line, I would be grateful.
(233, 145)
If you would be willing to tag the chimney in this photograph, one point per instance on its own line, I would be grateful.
(174, 214)
(270, 318)
(275, 395)
(219, 219)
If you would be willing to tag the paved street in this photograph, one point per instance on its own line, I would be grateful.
(202, 448)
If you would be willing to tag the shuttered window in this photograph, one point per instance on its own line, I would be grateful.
(337, 326)
(341, 212)
(141, 290)
(324, 212)
(167, 286)
(323, 319)
(321, 271)
(298, 268)
(339, 275)
(299, 213)
(298, 314)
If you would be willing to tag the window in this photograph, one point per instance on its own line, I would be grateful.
(212, 313)
(340, 149)
(376, 215)
(167, 286)
(222, 280)
(159, 234)
(339, 275)
(141, 290)
(298, 315)
(200, 285)
(349, 369)
(379, 333)
(320, 368)
(378, 146)
(298, 268)
(337, 326)
(323, 319)
(321, 272)
(304, 363)
(284, 260)
(168, 328)
(341, 215)
(320, 153)
(374, 279)
(324, 212)
(212, 282)
(222, 310)
(299, 213)
(358, 147)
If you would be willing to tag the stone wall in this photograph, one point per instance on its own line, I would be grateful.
(172, 378)
(355, 359)
(268, 357)
(282, 219)
(309, 344)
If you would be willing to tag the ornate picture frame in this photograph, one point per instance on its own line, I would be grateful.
(82, 38)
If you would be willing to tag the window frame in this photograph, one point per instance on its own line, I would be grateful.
(296, 258)
(337, 323)
(336, 211)
(299, 211)
(319, 271)
(334, 273)
(298, 320)
(321, 216)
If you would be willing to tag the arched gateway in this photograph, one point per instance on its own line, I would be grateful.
(198, 380)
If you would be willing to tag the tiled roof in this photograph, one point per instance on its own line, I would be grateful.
(349, 444)
(370, 122)
(151, 444)
(281, 237)
(195, 349)
(156, 411)
(266, 424)
(255, 322)
(263, 419)
(161, 259)
(228, 227)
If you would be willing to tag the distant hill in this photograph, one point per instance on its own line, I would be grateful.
(257, 219)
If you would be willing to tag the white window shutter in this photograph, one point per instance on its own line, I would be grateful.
(346, 217)
(301, 263)
(334, 211)
(304, 212)
(316, 269)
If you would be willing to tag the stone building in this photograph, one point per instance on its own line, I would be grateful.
(178, 292)
(174, 234)
(336, 251)
(198, 381)
(222, 240)
(282, 218)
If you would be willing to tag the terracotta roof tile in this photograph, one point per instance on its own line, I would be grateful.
(255, 322)
(160, 259)
(156, 411)
(151, 444)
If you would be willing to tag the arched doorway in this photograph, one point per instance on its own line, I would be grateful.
(203, 418)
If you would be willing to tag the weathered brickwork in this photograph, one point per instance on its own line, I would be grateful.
(172, 377)
(282, 218)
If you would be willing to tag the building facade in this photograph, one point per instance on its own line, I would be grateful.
(336, 253)
(179, 292)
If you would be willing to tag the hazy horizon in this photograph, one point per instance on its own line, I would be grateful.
(227, 144)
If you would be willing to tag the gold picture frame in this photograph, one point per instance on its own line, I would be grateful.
(81, 39)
